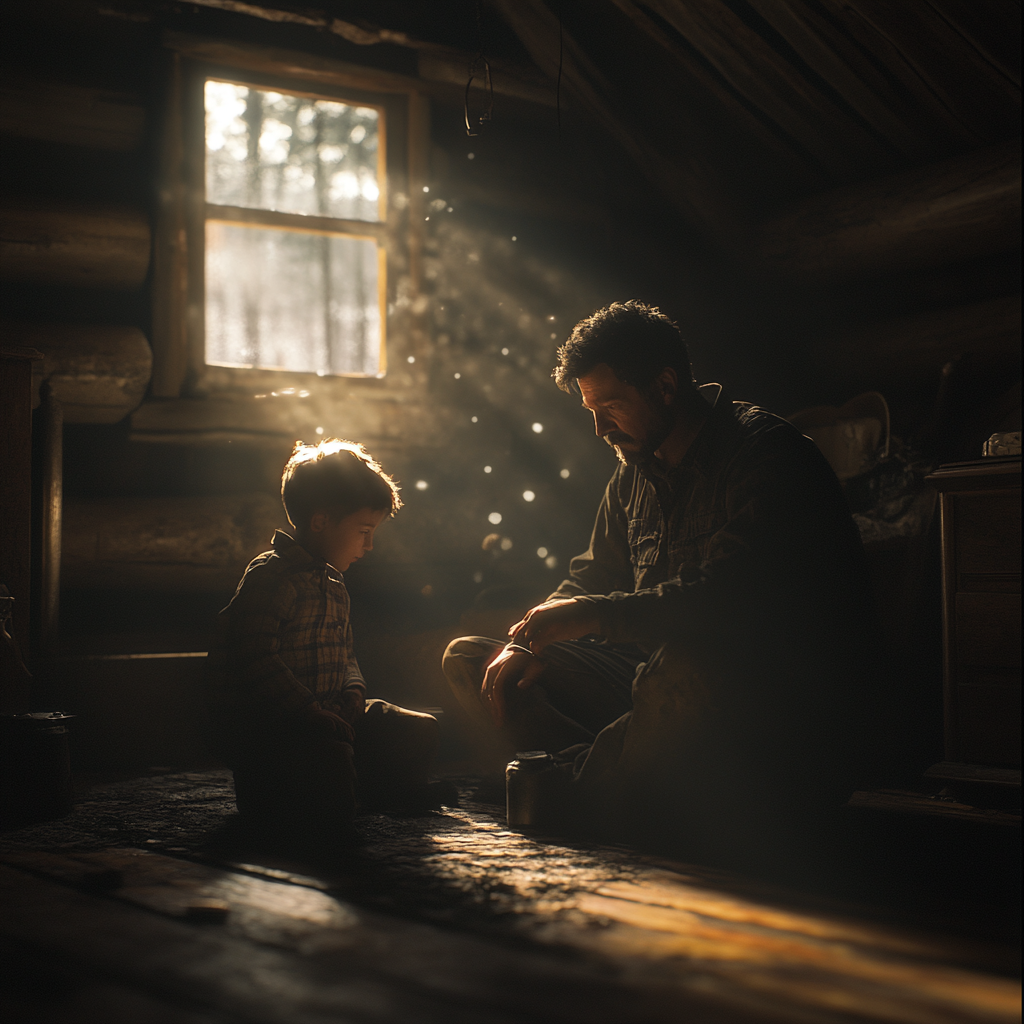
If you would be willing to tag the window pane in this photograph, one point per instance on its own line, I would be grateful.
(274, 151)
(288, 300)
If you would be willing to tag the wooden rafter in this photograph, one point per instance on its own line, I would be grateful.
(689, 186)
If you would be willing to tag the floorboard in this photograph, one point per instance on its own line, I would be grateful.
(152, 899)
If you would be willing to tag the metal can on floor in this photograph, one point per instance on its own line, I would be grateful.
(35, 767)
(533, 789)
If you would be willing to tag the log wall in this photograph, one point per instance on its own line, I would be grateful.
(83, 246)
(184, 545)
(98, 374)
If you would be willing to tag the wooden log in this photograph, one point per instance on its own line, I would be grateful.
(913, 346)
(98, 374)
(166, 544)
(33, 108)
(932, 216)
(61, 244)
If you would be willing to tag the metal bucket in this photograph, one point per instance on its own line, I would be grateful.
(35, 767)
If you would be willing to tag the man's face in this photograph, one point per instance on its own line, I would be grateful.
(632, 423)
(345, 541)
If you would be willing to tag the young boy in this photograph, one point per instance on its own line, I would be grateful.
(288, 701)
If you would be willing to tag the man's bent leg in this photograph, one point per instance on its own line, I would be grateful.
(705, 759)
(581, 689)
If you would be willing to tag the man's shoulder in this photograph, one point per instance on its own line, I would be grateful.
(758, 428)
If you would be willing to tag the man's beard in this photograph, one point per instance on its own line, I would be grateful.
(642, 452)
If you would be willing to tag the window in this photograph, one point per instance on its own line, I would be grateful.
(294, 220)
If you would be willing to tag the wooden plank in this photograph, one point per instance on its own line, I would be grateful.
(692, 188)
(992, 29)
(732, 103)
(910, 346)
(291, 954)
(941, 69)
(63, 244)
(819, 124)
(944, 213)
(834, 56)
(37, 108)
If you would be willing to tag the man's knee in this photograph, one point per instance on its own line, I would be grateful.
(465, 661)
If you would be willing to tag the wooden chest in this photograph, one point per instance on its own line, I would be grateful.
(981, 510)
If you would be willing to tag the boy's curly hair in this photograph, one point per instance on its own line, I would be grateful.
(339, 476)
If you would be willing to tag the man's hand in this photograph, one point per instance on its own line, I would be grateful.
(554, 621)
(509, 667)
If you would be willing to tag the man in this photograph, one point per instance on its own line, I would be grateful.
(705, 666)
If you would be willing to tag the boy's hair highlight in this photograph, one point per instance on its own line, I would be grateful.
(339, 476)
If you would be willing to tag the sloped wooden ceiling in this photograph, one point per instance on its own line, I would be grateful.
(739, 108)
(736, 110)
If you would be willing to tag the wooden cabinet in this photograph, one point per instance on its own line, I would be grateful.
(981, 528)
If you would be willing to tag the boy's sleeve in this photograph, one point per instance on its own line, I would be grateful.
(353, 693)
(256, 616)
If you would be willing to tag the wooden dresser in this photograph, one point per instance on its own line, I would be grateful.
(981, 512)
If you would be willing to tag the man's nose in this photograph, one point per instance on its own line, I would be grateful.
(603, 424)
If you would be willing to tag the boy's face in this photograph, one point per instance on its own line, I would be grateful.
(344, 541)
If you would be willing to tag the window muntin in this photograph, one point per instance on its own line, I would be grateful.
(280, 293)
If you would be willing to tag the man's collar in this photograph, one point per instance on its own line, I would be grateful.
(697, 455)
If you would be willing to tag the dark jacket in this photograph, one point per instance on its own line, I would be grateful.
(747, 547)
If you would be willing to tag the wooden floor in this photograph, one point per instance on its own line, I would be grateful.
(148, 905)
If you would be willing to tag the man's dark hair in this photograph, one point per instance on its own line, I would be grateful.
(339, 476)
(636, 340)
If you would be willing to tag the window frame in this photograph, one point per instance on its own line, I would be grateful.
(307, 224)
(178, 332)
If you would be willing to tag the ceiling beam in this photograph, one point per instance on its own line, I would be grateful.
(689, 186)
(931, 216)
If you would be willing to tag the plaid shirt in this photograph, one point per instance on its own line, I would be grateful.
(285, 641)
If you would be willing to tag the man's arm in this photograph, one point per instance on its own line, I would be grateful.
(787, 525)
(605, 566)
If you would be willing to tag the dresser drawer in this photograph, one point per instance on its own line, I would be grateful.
(987, 630)
(987, 531)
(988, 720)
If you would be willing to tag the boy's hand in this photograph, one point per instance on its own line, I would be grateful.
(508, 668)
(554, 621)
(327, 724)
